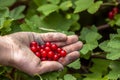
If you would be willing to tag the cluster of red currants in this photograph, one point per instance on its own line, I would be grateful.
(47, 51)
(113, 12)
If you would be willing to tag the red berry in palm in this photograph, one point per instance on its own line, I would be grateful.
(38, 54)
(47, 49)
(59, 55)
(63, 53)
(111, 15)
(48, 44)
(43, 59)
(59, 50)
(33, 43)
(38, 47)
(42, 46)
(33, 48)
(41, 50)
(50, 55)
(54, 47)
(55, 57)
(44, 54)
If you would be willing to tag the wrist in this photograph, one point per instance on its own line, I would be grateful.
(5, 50)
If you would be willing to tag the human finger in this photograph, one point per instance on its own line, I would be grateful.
(70, 39)
(73, 47)
(52, 36)
(69, 58)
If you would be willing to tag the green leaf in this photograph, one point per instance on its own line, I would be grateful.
(88, 47)
(118, 22)
(85, 49)
(65, 5)
(100, 62)
(4, 23)
(6, 3)
(50, 75)
(118, 31)
(114, 74)
(56, 21)
(75, 64)
(38, 2)
(114, 36)
(114, 43)
(75, 27)
(104, 46)
(15, 27)
(32, 24)
(46, 9)
(111, 22)
(17, 13)
(63, 72)
(93, 76)
(117, 19)
(94, 7)
(25, 27)
(85, 31)
(92, 36)
(82, 5)
(113, 55)
(98, 69)
(69, 77)
(54, 1)
(4, 12)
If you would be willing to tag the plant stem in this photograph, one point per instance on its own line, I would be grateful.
(111, 4)
(103, 26)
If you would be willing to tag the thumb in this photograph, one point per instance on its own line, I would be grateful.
(48, 66)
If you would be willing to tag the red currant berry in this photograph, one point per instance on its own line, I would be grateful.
(42, 46)
(38, 47)
(59, 50)
(47, 49)
(38, 54)
(59, 55)
(33, 49)
(41, 50)
(43, 59)
(33, 43)
(115, 10)
(55, 57)
(48, 44)
(44, 54)
(50, 55)
(111, 15)
(63, 53)
(54, 47)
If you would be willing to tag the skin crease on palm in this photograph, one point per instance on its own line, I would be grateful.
(15, 51)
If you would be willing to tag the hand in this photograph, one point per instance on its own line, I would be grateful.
(21, 57)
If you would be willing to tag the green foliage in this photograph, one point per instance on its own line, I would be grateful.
(98, 69)
(69, 77)
(75, 64)
(114, 74)
(47, 9)
(91, 37)
(66, 5)
(94, 7)
(17, 12)
(6, 3)
(100, 54)
(82, 5)
(112, 46)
